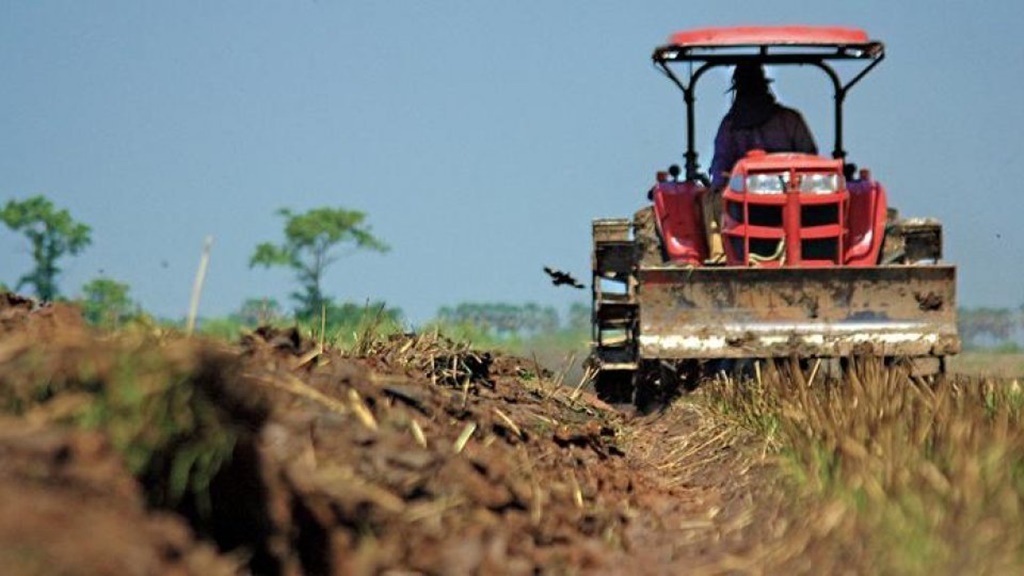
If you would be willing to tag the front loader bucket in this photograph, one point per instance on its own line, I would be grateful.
(709, 313)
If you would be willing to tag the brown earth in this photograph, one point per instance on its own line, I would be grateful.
(409, 456)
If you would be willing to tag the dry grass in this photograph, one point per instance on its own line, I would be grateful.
(890, 474)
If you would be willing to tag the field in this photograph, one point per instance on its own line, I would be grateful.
(994, 364)
(145, 452)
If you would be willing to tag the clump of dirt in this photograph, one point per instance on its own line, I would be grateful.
(413, 454)
(38, 320)
(69, 506)
(425, 456)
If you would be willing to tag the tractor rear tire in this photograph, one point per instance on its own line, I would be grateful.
(615, 387)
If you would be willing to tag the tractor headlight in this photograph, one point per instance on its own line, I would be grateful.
(821, 183)
(778, 183)
(767, 183)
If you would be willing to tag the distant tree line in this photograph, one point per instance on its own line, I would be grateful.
(991, 327)
(504, 320)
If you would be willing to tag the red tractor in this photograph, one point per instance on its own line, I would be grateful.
(797, 255)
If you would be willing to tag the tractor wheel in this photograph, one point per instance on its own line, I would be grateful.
(659, 383)
(615, 386)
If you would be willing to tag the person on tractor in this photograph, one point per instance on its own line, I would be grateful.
(756, 121)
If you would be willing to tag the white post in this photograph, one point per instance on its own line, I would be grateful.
(197, 286)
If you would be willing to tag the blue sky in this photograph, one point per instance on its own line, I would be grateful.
(480, 137)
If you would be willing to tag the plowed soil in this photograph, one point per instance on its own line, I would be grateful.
(411, 455)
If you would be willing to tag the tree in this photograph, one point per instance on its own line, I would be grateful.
(105, 303)
(258, 312)
(52, 233)
(977, 325)
(309, 241)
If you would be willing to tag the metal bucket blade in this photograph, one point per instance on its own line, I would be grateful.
(773, 312)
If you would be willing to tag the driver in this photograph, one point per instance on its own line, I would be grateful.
(756, 121)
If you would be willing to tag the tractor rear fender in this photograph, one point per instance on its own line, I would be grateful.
(677, 209)
(866, 223)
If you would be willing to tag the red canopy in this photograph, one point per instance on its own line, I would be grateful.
(769, 36)
(773, 45)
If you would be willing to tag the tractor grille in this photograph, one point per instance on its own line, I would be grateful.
(819, 215)
(772, 231)
(760, 248)
(820, 249)
(760, 215)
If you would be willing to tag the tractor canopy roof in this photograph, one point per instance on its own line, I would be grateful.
(769, 44)
(817, 46)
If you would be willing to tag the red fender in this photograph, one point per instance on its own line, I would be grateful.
(678, 213)
(867, 215)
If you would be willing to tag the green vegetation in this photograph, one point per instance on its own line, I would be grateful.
(160, 404)
(500, 320)
(106, 304)
(525, 330)
(348, 323)
(52, 233)
(259, 311)
(505, 325)
(339, 324)
(253, 312)
(308, 249)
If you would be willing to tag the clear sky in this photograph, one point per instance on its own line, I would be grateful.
(481, 137)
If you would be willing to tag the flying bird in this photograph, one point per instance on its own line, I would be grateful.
(559, 278)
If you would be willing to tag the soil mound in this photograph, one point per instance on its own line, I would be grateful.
(409, 454)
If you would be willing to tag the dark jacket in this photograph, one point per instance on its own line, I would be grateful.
(765, 125)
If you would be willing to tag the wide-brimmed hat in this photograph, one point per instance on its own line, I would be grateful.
(749, 76)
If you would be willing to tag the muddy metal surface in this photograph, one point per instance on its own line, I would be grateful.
(759, 312)
(416, 457)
